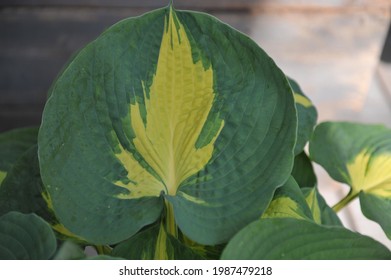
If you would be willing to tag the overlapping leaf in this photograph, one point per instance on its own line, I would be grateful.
(321, 212)
(306, 114)
(172, 108)
(303, 171)
(288, 201)
(378, 209)
(13, 144)
(154, 243)
(289, 238)
(291, 201)
(360, 156)
(23, 191)
(25, 237)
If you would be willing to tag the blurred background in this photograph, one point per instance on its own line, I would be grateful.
(339, 51)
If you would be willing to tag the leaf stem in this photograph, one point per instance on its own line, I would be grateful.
(103, 249)
(171, 226)
(345, 201)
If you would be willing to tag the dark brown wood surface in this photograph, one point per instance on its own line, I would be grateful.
(181, 4)
(38, 37)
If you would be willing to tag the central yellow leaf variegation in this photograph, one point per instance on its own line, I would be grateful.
(177, 106)
(371, 174)
(302, 100)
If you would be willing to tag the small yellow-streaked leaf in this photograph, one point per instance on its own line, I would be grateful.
(3, 174)
(283, 207)
(177, 105)
(302, 100)
(371, 174)
(313, 203)
(161, 252)
(288, 202)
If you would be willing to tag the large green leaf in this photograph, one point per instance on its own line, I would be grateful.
(13, 144)
(360, 156)
(171, 108)
(25, 237)
(306, 114)
(377, 209)
(288, 238)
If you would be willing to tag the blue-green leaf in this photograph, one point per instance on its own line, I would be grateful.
(170, 114)
(287, 238)
(25, 237)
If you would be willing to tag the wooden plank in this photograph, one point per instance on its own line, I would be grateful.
(36, 44)
(180, 4)
(206, 4)
(13, 117)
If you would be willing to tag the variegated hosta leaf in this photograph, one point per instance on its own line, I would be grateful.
(360, 156)
(291, 201)
(287, 238)
(321, 212)
(170, 108)
(378, 209)
(306, 114)
(13, 144)
(288, 202)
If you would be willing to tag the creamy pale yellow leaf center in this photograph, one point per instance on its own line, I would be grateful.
(371, 174)
(177, 106)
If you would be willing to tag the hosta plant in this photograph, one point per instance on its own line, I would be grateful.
(174, 136)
